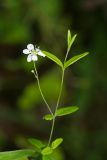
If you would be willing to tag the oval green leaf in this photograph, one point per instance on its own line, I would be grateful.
(66, 110)
(56, 143)
(16, 155)
(74, 59)
(47, 151)
(37, 143)
(48, 117)
(53, 58)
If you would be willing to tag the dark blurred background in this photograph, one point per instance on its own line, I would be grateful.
(45, 23)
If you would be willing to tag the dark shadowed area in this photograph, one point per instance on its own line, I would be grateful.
(45, 24)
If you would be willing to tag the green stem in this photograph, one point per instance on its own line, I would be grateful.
(36, 76)
(54, 117)
(52, 129)
(57, 105)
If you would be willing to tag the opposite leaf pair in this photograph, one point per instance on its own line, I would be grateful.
(61, 112)
(43, 151)
(54, 145)
(67, 63)
(70, 41)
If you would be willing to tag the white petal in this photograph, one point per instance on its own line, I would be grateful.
(30, 47)
(39, 52)
(26, 51)
(29, 58)
(34, 57)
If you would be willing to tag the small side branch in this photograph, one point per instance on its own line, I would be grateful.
(37, 77)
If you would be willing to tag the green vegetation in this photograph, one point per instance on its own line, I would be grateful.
(21, 107)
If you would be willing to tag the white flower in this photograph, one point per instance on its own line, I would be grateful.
(33, 52)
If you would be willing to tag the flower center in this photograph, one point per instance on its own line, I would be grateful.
(34, 52)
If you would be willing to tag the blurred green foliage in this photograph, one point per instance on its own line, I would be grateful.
(21, 107)
(31, 96)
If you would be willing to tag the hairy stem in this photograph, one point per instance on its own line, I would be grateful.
(36, 76)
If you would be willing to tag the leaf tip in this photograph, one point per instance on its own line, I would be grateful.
(69, 32)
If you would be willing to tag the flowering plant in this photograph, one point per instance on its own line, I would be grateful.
(44, 151)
